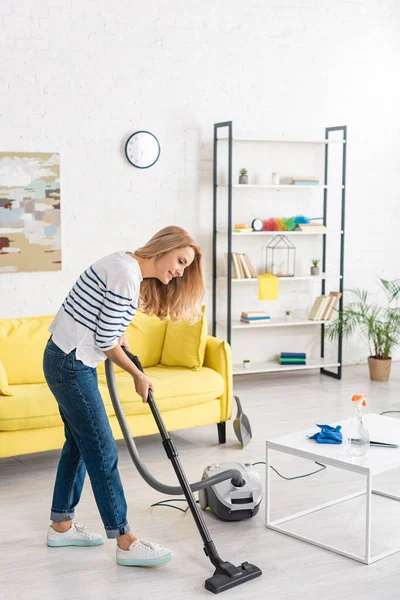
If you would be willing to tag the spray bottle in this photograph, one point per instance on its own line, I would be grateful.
(357, 435)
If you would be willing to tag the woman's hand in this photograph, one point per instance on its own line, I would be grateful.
(123, 341)
(142, 385)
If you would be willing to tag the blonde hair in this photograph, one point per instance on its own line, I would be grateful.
(181, 298)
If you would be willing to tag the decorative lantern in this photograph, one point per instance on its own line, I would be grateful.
(281, 257)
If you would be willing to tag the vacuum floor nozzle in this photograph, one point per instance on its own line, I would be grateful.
(227, 576)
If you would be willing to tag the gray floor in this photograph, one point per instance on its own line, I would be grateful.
(276, 405)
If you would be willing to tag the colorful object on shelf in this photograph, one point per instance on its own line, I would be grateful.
(301, 219)
(280, 224)
(293, 355)
(268, 287)
(284, 223)
(290, 223)
(327, 435)
(270, 225)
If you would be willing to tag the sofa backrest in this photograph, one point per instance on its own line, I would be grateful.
(23, 340)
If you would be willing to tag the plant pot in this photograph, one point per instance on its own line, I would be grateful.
(243, 179)
(288, 318)
(246, 365)
(315, 271)
(379, 369)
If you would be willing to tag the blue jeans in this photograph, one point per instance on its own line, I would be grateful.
(89, 443)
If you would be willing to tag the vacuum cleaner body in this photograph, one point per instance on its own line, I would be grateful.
(230, 502)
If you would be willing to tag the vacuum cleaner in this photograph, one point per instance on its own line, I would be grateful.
(232, 491)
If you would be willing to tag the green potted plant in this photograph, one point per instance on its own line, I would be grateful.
(315, 270)
(379, 325)
(243, 177)
(288, 315)
(246, 363)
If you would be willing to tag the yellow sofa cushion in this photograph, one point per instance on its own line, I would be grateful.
(173, 388)
(184, 344)
(4, 388)
(22, 343)
(146, 337)
(33, 405)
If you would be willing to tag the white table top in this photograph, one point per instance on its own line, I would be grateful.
(377, 459)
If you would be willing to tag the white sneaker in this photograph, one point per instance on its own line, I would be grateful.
(143, 554)
(77, 535)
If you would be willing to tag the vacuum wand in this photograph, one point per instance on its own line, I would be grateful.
(226, 575)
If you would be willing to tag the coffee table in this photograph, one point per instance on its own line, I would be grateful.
(378, 460)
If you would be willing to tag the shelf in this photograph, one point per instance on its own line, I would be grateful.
(234, 149)
(238, 139)
(299, 278)
(272, 323)
(275, 367)
(278, 187)
(254, 233)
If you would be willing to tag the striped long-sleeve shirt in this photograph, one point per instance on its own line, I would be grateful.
(98, 308)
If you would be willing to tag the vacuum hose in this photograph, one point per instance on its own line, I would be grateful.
(233, 474)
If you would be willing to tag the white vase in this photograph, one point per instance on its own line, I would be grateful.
(275, 180)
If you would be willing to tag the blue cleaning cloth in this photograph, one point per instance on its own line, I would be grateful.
(327, 435)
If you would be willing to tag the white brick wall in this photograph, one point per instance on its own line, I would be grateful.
(80, 76)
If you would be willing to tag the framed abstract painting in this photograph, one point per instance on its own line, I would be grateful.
(30, 215)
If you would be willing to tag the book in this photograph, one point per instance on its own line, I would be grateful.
(322, 308)
(332, 305)
(241, 266)
(326, 308)
(242, 230)
(245, 267)
(255, 319)
(293, 355)
(315, 308)
(254, 313)
(305, 183)
(250, 266)
(300, 178)
(311, 227)
(236, 263)
(291, 361)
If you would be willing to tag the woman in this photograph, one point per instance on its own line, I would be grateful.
(165, 278)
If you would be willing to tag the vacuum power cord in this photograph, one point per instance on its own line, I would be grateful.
(323, 467)
(261, 462)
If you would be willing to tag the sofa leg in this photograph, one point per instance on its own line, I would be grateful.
(222, 432)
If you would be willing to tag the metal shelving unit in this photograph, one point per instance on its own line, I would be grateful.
(227, 143)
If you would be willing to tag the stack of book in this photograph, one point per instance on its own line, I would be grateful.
(242, 228)
(255, 316)
(305, 180)
(242, 267)
(292, 358)
(310, 227)
(324, 307)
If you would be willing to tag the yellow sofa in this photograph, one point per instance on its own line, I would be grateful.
(191, 372)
